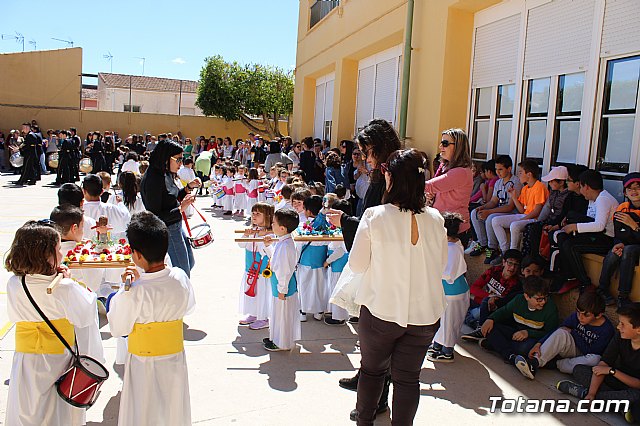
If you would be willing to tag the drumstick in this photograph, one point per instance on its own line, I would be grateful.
(127, 283)
(252, 239)
(242, 231)
(54, 283)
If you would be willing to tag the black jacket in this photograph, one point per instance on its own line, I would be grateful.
(349, 224)
(161, 196)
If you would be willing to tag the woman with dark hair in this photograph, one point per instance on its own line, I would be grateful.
(450, 188)
(165, 199)
(96, 151)
(275, 156)
(348, 169)
(128, 182)
(401, 251)
(333, 176)
(308, 160)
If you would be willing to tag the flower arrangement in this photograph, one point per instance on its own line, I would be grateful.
(92, 251)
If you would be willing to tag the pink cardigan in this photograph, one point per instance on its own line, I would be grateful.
(452, 190)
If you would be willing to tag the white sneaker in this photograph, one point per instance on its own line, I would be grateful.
(303, 317)
(318, 317)
(472, 246)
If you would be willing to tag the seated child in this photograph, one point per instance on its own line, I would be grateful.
(581, 339)
(456, 290)
(516, 327)
(155, 386)
(494, 284)
(311, 274)
(528, 202)
(256, 308)
(284, 327)
(40, 358)
(626, 250)
(617, 375)
(337, 258)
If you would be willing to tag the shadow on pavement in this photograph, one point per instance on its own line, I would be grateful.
(110, 413)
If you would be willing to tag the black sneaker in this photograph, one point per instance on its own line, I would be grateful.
(475, 335)
(440, 357)
(272, 347)
(478, 251)
(353, 415)
(331, 321)
(354, 320)
(572, 388)
(350, 383)
(528, 367)
(484, 344)
(435, 347)
(490, 254)
(511, 360)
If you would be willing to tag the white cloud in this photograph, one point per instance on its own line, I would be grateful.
(179, 61)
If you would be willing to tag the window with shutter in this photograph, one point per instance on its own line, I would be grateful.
(364, 99)
(384, 103)
(495, 55)
(318, 124)
(621, 32)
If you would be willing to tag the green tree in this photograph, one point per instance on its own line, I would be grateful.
(257, 95)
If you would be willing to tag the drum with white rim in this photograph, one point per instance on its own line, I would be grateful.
(54, 160)
(16, 159)
(85, 165)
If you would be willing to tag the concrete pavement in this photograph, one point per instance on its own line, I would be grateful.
(233, 380)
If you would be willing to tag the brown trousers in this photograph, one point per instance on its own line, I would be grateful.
(386, 345)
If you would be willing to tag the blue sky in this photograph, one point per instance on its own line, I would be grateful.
(174, 36)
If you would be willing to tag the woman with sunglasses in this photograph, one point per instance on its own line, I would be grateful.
(402, 305)
(162, 196)
(450, 188)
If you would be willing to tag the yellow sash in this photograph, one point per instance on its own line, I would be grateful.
(37, 338)
(156, 338)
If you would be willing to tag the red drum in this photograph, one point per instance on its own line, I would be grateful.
(79, 385)
(201, 236)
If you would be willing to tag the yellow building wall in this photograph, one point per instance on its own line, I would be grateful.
(45, 86)
(440, 66)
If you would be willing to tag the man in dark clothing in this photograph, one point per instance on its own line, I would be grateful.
(28, 149)
(308, 161)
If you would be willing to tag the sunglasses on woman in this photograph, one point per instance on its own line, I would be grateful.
(446, 143)
(177, 160)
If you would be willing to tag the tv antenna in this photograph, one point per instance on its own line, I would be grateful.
(69, 42)
(142, 62)
(18, 38)
(34, 44)
(109, 57)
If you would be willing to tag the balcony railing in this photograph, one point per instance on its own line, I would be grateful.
(320, 9)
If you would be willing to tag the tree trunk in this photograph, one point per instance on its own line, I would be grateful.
(289, 124)
(260, 128)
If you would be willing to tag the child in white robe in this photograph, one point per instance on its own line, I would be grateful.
(216, 184)
(311, 274)
(256, 309)
(118, 215)
(297, 202)
(240, 200)
(263, 179)
(456, 290)
(155, 388)
(229, 194)
(252, 185)
(40, 358)
(284, 328)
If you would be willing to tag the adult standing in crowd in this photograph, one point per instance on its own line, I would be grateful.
(347, 168)
(401, 250)
(377, 141)
(450, 188)
(275, 156)
(162, 196)
(294, 155)
(66, 158)
(308, 161)
(28, 150)
(258, 154)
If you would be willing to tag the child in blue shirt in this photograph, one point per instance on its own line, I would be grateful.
(581, 339)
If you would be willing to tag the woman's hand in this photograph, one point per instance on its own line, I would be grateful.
(196, 183)
(334, 217)
(187, 201)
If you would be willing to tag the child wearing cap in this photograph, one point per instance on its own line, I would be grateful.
(626, 250)
(551, 213)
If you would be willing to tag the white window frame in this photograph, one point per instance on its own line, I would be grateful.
(493, 120)
(324, 80)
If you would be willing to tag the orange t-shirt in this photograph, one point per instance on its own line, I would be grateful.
(530, 197)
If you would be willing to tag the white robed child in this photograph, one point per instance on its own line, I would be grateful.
(256, 308)
(337, 259)
(456, 291)
(229, 193)
(240, 200)
(40, 357)
(155, 388)
(284, 328)
(252, 185)
(311, 273)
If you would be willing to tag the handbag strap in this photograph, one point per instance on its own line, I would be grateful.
(75, 353)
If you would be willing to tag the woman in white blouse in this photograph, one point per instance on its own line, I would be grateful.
(401, 250)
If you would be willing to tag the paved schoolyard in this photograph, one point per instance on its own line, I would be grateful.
(234, 381)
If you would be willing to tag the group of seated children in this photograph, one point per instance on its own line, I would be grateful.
(316, 269)
(150, 313)
(573, 216)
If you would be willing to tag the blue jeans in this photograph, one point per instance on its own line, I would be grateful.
(500, 341)
(180, 251)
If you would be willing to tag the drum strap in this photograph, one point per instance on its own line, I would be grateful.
(75, 353)
(186, 222)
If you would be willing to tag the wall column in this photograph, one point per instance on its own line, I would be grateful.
(344, 100)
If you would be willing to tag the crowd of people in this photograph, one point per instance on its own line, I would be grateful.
(405, 231)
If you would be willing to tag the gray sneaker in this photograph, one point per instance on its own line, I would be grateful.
(572, 388)
(474, 335)
(497, 261)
